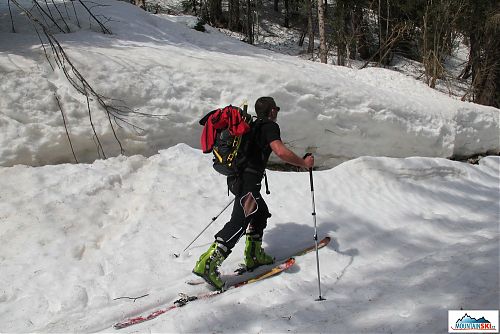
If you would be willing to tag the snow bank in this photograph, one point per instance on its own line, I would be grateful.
(412, 238)
(158, 65)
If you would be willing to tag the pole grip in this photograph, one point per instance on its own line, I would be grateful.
(310, 172)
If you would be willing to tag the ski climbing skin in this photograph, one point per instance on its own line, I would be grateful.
(242, 270)
(185, 299)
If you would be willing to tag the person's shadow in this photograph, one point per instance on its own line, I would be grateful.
(285, 239)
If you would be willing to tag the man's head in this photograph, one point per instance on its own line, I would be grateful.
(265, 107)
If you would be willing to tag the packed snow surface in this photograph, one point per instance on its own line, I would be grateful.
(160, 65)
(411, 239)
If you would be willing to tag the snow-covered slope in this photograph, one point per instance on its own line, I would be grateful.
(159, 65)
(412, 238)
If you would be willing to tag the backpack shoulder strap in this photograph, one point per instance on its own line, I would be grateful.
(257, 125)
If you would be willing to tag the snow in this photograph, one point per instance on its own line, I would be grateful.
(159, 65)
(412, 236)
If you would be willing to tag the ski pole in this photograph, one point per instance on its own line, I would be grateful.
(213, 219)
(315, 228)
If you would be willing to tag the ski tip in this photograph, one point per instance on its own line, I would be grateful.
(325, 241)
(200, 282)
(120, 325)
(288, 263)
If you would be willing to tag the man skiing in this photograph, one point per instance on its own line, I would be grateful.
(250, 212)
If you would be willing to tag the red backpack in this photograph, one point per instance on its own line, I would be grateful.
(223, 134)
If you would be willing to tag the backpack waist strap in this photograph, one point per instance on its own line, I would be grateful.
(253, 171)
(260, 174)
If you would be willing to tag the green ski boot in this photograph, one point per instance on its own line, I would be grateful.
(208, 264)
(254, 253)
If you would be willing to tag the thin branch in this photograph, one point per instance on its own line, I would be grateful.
(48, 8)
(66, 9)
(76, 15)
(11, 19)
(44, 12)
(103, 28)
(41, 13)
(114, 133)
(133, 298)
(62, 18)
(100, 149)
(65, 127)
(396, 34)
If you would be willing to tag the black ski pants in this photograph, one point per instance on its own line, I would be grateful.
(250, 211)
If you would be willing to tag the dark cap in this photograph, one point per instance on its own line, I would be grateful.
(264, 105)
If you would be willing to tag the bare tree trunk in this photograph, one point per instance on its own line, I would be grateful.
(487, 80)
(379, 18)
(340, 31)
(387, 21)
(360, 33)
(215, 12)
(256, 26)
(204, 10)
(193, 3)
(276, 8)
(310, 27)
(249, 22)
(234, 15)
(384, 56)
(322, 32)
(439, 20)
(287, 13)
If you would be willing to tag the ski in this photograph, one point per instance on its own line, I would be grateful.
(242, 269)
(185, 299)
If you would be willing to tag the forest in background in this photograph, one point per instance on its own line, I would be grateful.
(375, 31)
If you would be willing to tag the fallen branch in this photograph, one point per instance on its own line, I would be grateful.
(133, 298)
